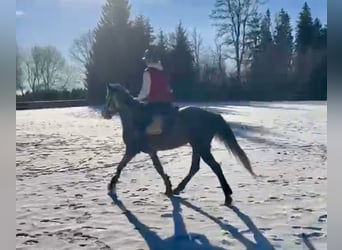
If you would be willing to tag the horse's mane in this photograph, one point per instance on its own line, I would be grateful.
(129, 99)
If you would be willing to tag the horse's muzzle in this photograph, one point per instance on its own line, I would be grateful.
(106, 114)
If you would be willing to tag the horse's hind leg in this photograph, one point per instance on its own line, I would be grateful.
(160, 170)
(215, 166)
(193, 170)
(123, 163)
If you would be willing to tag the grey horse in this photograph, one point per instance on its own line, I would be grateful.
(191, 125)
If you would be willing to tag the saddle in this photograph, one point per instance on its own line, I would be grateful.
(156, 127)
(161, 121)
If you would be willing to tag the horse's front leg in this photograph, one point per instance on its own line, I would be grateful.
(160, 170)
(195, 165)
(123, 163)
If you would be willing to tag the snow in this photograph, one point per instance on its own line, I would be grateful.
(66, 157)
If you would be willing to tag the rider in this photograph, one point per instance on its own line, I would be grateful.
(155, 90)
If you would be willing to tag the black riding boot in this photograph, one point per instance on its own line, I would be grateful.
(141, 137)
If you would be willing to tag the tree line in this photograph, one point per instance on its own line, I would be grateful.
(272, 60)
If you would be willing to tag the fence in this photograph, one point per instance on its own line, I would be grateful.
(50, 104)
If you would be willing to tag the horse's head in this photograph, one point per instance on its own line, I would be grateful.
(117, 98)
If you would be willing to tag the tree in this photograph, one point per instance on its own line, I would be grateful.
(254, 32)
(261, 76)
(304, 57)
(81, 49)
(141, 38)
(19, 73)
(182, 62)
(196, 47)
(162, 42)
(253, 37)
(219, 58)
(69, 77)
(318, 76)
(266, 39)
(263, 46)
(283, 48)
(44, 66)
(162, 46)
(53, 64)
(319, 35)
(118, 47)
(232, 18)
(304, 35)
(33, 67)
(112, 58)
(142, 25)
(318, 80)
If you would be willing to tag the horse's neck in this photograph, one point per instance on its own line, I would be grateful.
(126, 121)
(127, 116)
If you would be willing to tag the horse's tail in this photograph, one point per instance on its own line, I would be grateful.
(225, 134)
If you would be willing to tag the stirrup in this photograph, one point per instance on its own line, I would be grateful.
(155, 128)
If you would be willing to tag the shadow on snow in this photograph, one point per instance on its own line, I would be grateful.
(185, 240)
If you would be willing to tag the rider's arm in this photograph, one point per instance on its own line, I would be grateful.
(146, 85)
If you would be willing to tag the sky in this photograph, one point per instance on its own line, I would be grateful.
(59, 22)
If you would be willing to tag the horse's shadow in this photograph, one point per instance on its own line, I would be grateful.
(261, 242)
(185, 240)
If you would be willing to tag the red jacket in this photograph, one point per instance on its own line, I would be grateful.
(160, 90)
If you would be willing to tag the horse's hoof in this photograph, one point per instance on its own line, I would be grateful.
(176, 192)
(228, 201)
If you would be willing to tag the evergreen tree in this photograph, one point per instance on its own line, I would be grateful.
(311, 56)
(304, 36)
(141, 39)
(253, 36)
(283, 41)
(182, 62)
(318, 35)
(318, 77)
(111, 53)
(143, 30)
(262, 68)
(304, 55)
(318, 80)
(162, 42)
(162, 46)
(266, 39)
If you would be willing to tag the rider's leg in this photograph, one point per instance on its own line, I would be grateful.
(142, 122)
(167, 116)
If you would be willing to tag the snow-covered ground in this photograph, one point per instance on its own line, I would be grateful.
(66, 157)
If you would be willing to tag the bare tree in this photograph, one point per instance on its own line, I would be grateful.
(232, 18)
(32, 70)
(219, 57)
(69, 77)
(19, 72)
(53, 64)
(197, 44)
(43, 66)
(80, 50)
